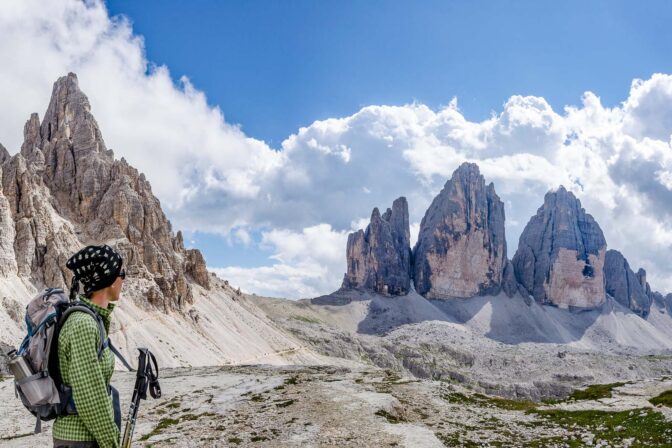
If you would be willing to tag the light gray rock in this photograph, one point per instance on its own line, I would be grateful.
(624, 285)
(4, 154)
(561, 254)
(461, 248)
(65, 190)
(379, 258)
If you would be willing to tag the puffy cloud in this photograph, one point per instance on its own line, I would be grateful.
(325, 178)
(306, 264)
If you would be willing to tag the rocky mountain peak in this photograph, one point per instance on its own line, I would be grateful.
(628, 288)
(461, 248)
(379, 258)
(561, 254)
(64, 190)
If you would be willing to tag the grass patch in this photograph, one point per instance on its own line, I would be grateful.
(163, 424)
(310, 320)
(292, 380)
(258, 438)
(504, 403)
(389, 417)
(664, 399)
(644, 427)
(168, 422)
(488, 401)
(235, 440)
(594, 392)
(455, 439)
(284, 404)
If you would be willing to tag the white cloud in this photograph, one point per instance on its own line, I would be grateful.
(305, 196)
(306, 264)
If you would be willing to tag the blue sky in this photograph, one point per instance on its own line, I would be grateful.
(275, 66)
(269, 130)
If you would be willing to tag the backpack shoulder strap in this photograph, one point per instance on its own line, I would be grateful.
(119, 355)
(104, 340)
(99, 320)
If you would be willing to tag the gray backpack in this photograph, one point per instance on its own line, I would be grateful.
(35, 364)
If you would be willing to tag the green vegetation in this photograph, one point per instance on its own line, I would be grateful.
(456, 439)
(389, 417)
(168, 422)
(664, 399)
(257, 398)
(284, 404)
(292, 380)
(644, 426)
(310, 320)
(594, 392)
(234, 440)
(484, 401)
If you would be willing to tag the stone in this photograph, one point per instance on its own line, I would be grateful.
(379, 258)
(561, 252)
(626, 287)
(65, 190)
(509, 283)
(461, 248)
(4, 154)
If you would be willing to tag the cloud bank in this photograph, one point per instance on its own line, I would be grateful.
(323, 181)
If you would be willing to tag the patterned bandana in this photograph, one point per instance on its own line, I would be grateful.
(96, 267)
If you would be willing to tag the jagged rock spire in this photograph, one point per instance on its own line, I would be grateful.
(561, 254)
(379, 258)
(65, 190)
(628, 288)
(461, 248)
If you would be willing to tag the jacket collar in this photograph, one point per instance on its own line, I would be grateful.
(105, 313)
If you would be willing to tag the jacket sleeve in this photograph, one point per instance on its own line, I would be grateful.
(89, 390)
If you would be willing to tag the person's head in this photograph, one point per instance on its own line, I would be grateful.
(99, 269)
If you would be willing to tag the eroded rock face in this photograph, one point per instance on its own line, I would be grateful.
(379, 258)
(461, 248)
(628, 288)
(561, 253)
(65, 190)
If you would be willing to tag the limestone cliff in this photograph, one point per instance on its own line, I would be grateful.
(379, 258)
(461, 248)
(561, 254)
(65, 189)
(628, 288)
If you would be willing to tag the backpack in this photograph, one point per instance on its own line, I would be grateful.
(42, 391)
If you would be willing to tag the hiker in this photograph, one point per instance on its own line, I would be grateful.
(98, 419)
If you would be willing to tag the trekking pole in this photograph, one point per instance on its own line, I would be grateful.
(148, 376)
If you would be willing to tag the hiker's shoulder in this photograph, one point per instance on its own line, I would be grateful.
(80, 322)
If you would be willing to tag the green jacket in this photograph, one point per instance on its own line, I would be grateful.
(89, 378)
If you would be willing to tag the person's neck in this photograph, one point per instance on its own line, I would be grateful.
(100, 300)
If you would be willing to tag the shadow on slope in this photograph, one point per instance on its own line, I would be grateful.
(507, 320)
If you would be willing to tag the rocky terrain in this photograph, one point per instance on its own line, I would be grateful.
(448, 343)
(64, 190)
(359, 406)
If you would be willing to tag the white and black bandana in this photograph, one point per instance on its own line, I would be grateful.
(96, 267)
